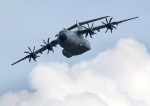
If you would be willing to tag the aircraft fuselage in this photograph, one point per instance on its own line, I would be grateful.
(72, 43)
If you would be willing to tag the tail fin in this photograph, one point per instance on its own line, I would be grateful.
(78, 25)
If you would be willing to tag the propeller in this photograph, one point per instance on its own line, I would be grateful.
(32, 54)
(109, 25)
(48, 45)
(90, 30)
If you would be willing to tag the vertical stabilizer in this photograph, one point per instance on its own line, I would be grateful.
(78, 25)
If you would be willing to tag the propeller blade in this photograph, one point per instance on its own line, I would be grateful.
(110, 20)
(29, 59)
(44, 42)
(94, 33)
(84, 27)
(91, 35)
(106, 20)
(106, 30)
(114, 26)
(37, 56)
(26, 52)
(86, 35)
(48, 51)
(88, 25)
(29, 49)
(56, 35)
(104, 23)
(34, 59)
(48, 41)
(92, 25)
(34, 49)
(52, 50)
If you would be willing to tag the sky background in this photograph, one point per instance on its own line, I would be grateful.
(26, 23)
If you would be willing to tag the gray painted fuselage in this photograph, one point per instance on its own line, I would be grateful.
(72, 43)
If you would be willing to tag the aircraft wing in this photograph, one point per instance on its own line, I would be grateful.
(33, 54)
(116, 23)
(85, 31)
(20, 60)
(86, 22)
(113, 23)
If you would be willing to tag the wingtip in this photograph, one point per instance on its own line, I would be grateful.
(133, 18)
(12, 64)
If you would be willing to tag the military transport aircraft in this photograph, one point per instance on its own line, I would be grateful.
(73, 42)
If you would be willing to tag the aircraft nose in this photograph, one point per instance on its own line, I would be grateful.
(63, 37)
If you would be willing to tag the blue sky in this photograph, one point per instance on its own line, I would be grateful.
(26, 23)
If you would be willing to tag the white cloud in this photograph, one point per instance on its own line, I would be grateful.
(117, 77)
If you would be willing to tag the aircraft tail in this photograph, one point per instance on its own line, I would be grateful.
(78, 25)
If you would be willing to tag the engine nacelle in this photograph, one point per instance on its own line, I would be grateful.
(66, 54)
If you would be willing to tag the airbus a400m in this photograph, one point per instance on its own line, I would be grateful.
(73, 42)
